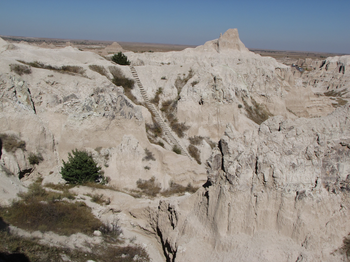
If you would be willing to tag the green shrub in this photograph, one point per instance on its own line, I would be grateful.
(120, 59)
(20, 69)
(176, 150)
(80, 168)
(35, 159)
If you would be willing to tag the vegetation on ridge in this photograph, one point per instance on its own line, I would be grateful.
(80, 168)
(120, 59)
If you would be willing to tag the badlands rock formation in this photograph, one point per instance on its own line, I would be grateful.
(277, 194)
(275, 187)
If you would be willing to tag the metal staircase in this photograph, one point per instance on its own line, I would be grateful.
(166, 129)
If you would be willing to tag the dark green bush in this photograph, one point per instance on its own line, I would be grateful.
(176, 150)
(80, 168)
(120, 59)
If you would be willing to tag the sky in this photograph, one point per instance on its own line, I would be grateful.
(309, 25)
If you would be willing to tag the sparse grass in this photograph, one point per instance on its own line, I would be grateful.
(156, 98)
(335, 93)
(44, 211)
(178, 189)
(169, 108)
(66, 69)
(257, 112)
(195, 153)
(15, 248)
(61, 187)
(168, 105)
(345, 249)
(155, 129)
(20, 69)
(149, 156)
(120, 80)
(100, 186)
(194, 83)
(35, 159)
(210, 142)
(179, 128)
(11, 143)
(176, 150)
(99, 199)
(196, 140)
(149, 187)
(180, 82)
(99, 69)
(122, 254)
(339, 102)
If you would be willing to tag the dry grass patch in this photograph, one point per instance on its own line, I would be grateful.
(14, 247)
(11, 143)
(149, 156)
(45, 211)
(66, 69)
(20, 69)
(156, 98)
(99, 199)
(177, 189)
(335, 93)
(257, 112)
(195, 153)
(196, 140)
(345, 249)
(169, 109)
(149, 187)
(180, 82)
(120, 80)
(99, 69)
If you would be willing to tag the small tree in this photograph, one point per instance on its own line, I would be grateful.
(80, 168)
(120, 59)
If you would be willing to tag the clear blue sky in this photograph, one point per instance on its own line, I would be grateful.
(309, 25)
